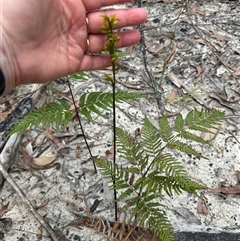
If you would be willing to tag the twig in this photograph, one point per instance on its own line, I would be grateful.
(211, 47)
(81, 126)
(27, 202)
(10, 148)
(177, 82)
(8, 152)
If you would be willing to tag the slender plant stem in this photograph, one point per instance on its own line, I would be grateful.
(108, 25)
(80, 124)
(114, 138)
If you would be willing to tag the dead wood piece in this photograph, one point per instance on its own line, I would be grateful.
(8, 152)
(43, 222)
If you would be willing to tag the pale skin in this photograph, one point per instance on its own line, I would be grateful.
(42, 40)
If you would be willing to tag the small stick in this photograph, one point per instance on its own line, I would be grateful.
(27, 202)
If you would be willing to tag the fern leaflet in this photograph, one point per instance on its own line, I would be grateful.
(98, 101)
(54, 112)
(203, 120)
(127, 146)
(151, 141)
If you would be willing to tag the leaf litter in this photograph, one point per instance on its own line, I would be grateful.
(202, 51)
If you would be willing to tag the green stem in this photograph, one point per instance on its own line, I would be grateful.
(114, 140)
(107, 28)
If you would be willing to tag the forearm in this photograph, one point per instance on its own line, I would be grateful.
(7, 63)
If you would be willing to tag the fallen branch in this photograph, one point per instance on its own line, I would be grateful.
(27, 202)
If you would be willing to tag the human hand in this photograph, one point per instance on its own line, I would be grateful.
(44, 40)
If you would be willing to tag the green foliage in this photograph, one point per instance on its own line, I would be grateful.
(152, 170)
(98, 101)
(80, 75)
(54, 112)
(59, 112)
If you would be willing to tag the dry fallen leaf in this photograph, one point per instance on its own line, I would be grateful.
(171, 55)
(39, 233)
(209, 136)
(237, 72)
(156, 50)
(44, 160)
(221, 37)
(3, 209)
(4, 115)
(43, 205)
(196, 9)
(201, 207)
(229, 190)
(199, 70)
(172, 96)
(238, 175)
(51, 137)
(110, 153)
(78, 151)
(30, 162)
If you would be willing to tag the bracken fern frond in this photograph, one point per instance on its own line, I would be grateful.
(128, 148)
(97, 101)
(54, 112)
(203, 120)
(155, 169)
(151, 141)
(145, 207)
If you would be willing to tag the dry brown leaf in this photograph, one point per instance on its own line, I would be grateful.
(131, 86)
(196, 9)
(238, 175)
(171, 55)
(199, 40)
(156, 50)
(229, 101)
(237, 92)
(132, 179)
(237, 72)
(51, 137)
(43, 206)
(72, 107)
(110, 153)
(29, 160)
(209, 136)
(26, 151)
(229, 190)
(137, 132)
(39, 233)
(78, 151)
(44, 160)
(4, 115)
(172, 96)
(201, 207)
(221, 37)
(3, 209)
(199, 70)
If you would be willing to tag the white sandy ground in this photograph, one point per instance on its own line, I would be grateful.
(61, 191)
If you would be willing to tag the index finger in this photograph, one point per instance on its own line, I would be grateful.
(127, 17)
(91, 5)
